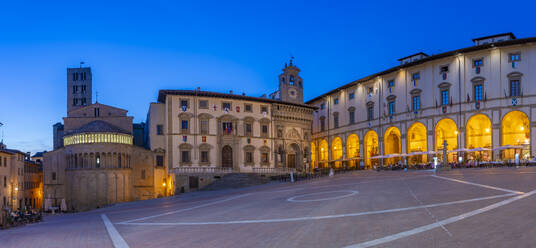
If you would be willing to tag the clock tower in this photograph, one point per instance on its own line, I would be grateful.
(291, 84)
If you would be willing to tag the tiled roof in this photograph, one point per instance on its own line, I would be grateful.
(99, 126)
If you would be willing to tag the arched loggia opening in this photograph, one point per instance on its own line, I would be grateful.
(392, 145)
(515, 132)
(446, 129)
(371, 149)
(336, 152)
(417, 143)
(352, 150)
(478, 136)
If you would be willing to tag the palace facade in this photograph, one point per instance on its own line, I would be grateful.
(479, 101)
(206, 133)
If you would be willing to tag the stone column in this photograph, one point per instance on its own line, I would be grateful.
(496, 141)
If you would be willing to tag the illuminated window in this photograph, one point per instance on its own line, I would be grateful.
(514, 58)
(370, 113)
(391, 85)
(416, 102)
(445, 97)
(477, 92)
(515, 89)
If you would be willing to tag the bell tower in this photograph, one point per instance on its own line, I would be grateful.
(291, 84)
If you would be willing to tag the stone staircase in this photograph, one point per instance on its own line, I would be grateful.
(237, 180)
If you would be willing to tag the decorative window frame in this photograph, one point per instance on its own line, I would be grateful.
(204, 117)
(249, 120)
(264, 121)
(264, 149)
(477, 81)
(515, 76)
(249, 148)
(205, 148)
(322, 123)
(185, 147)
(185, 116)
(351, 109)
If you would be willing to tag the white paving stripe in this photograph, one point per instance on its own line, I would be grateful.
(312, 217)
(348, 194)
(186, 209)
(438, 224)
(116, 238)
(479, 185)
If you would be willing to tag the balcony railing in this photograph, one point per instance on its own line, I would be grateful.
(203, 170)
(273, 170)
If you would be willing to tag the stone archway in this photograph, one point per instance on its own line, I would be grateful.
(227, 157)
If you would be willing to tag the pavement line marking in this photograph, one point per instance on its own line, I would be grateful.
(443, 222)
(348, 194)
(186, 209)
(116, 238)
(479, 185)
(428, 210)
(312, 217)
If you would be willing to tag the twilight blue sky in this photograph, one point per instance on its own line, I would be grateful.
(136, 48)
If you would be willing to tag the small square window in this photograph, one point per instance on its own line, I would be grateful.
(391, 85)
(264, 109)
(351, 96)
(159, 160)
(478, 63)
(203, 104)
(336, 101)
(370, 90)
(159, 129)
(248, 108)
(184, 104)
(226, 106)
(265, 129)
(322, 106)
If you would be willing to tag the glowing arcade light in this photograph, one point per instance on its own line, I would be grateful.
(487, 130)
(522, 128)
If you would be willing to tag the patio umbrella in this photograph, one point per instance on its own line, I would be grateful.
(507, 147)
(479, 149)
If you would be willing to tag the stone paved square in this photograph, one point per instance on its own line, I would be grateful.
(459, 208)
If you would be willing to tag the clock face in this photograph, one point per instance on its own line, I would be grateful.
(293, 93)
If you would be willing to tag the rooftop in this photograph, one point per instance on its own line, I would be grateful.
(98, 126)
(163, 93)
(428, 59)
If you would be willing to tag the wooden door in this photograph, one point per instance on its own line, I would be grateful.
(227, 157)
(291, 161)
